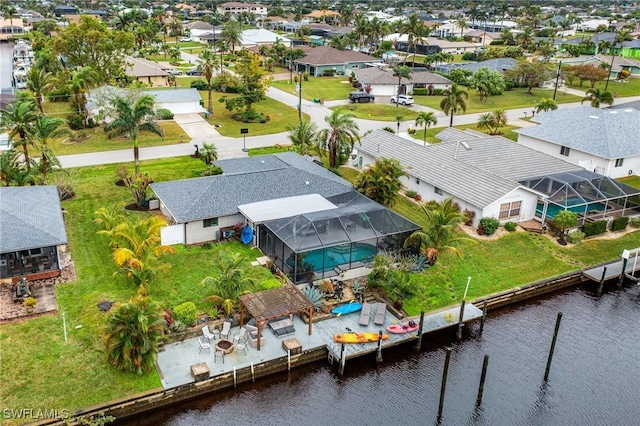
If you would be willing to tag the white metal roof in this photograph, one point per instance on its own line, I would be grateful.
(263, 211)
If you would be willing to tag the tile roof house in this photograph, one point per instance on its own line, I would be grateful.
(383, 83)
(606, 141)
(31, 231)
(322, 58)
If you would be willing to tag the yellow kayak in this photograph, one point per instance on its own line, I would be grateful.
(358, 337)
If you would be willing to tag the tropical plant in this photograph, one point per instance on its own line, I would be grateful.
(208, 65)
(564, 220)
(381, 181)
(401, 71)
(186, 313)
(439, 234)
(488, 225)
(229, 281)
(79, 84)
(138, 185)
(47, 129)
(230, 37)
(339, 138)
(487, 83)
(132, 334)
(492, 121)
(10, 165)
(546, 104)
(597, 97)
(454, 100)
(315, 296)
(18, 120)
(130, 119)
(39, 82)
(426, 119)
(208, 153)
(303, 136)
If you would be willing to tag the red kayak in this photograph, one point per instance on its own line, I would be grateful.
(403, 328)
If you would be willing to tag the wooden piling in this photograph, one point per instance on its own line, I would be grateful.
(484, 315)
(460, 321)
(443, 387)
(553, 346)
(379, 351)
(343, 360)
(483, 376)
(624, 271)
(418, 344)
(601, 285)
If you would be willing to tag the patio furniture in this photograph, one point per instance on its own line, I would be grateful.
(282, 327)
(242, 347)
(365, 314)
(292, 345)
(381, 311)
(200, 371)
(252, 336)
(226, 329)
(240, 335)
(208, 334)
(218, 354)
(203, 344)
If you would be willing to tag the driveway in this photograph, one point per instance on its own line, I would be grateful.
(196, 127)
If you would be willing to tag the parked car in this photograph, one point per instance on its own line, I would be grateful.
(360, 97)
(402, 99)
(173, 71)
(184, 39)
(194, 71)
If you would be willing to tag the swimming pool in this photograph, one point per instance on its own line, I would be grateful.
(553, 210)
(327, 259)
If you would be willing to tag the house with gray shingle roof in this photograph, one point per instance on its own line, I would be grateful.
(322, 58)
(483, 174)
(383, 83)
(31, 231)
(145, 71)
(606, 141)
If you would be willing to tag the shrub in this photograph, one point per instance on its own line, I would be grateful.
(122, 172)
(594, 228)
(469, 215)
(305, 75)
(575, 237)
(420, 91)
(199, 84)
(489, 225)
(76, 121)
(411, 131)
(59, 95)
(635, 222)
(410, 193)
(619, 223)
(63, 181)
(389, 129)
(326, 73)
(186, 313)
(437, 92)
(418, 197)
(510, 226)
(165, 114)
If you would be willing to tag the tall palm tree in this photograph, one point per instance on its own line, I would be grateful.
(208, 153)
(39, 82)
(9, 165)
(492, 121)
(401, 71)
(461, 22)
(426, 119)
(381, 181)
(597, 97)
(175, 25)
(361, 29)
(45, 130)
(341, 135)
(132, 334)
(411, 27)
(229, 281)
(546, 104)
(303, 136)
(130, 119)
(10, 13)
(399, 118)
(17, 119)
(621, 36)
(439, 234)
(231, 35)
(208, 65)
(81, 82)
(454, 100)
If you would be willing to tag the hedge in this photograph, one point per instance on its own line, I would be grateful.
(186, 313)
(594, 228)
(489, 225)
(619, 223)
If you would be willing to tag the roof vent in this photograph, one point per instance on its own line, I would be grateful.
(629, 110)
(465, 145)
(595, 117)
(613, 112)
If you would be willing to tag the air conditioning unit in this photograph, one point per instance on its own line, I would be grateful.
(154, 204)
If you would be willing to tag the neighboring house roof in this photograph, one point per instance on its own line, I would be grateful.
(174, 95)
(609, 134)
(480, 33)
(326, 55)
(626, 105)
(247, 180)
(322, 13)
(199, 25)
(261, 36)
(497, 64)
(139, 67)
(378, 76)
(619, 62)
(480, 175)
(104, 94)
(30, 217)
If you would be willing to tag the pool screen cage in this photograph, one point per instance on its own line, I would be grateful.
(324, 243)
(590, 195)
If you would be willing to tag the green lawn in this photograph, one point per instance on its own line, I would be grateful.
(629, 88)
(631, 180)
(507, 132)
(512, 99)
(378, 112)
(327, 88)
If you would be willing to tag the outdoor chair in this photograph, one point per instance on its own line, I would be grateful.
(241, 335)
(365, 314)
(203, 344)
(226, 329)
(242, 347)
(381, 311)
(218, 353)
(207, 334)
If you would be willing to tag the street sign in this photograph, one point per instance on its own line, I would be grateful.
(244, 131)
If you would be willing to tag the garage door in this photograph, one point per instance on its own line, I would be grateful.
(190, 107)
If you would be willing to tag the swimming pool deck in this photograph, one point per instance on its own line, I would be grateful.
(175, 361)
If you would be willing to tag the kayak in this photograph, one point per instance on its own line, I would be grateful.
(358, 337)
(347, 309)
(403, 328)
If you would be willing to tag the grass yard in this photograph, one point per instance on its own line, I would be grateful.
(327, 88)
(631, 180)
(629, 88)
(512, 99)
(379, 112)
(507, 132)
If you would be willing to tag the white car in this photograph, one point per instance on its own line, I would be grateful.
(402, 99)
(184, 39)
(173, 71)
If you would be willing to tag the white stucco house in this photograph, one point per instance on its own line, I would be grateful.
(605, 141)
(383, 83)
(178, 101)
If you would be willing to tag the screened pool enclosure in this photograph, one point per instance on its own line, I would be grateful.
(322, 244)
(590, 195)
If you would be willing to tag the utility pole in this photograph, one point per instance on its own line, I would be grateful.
(557, 78)
(300, 98)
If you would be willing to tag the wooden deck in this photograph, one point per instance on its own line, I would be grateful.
(614, 269)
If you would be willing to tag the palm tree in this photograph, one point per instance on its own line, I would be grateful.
(303, 136)
(597, 97)
(339, 137)
(208, 66)
(231, 35)
(45, 130)
(492, 121)
(621, 36)
(9, 165)
(426, 119)
(79, 85)
(39, 82)
(18, 121)
(229, 281)
(411, 28)
(10, 13)
(130, 120)
(208, 153)
(462, 23)
(454, 99)
(399, 118)
(546, 104)
(401, 71)
(381, 181)
(176, 28)
(439, 233)
(132, 334)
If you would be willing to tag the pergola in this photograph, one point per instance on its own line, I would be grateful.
(275, 303)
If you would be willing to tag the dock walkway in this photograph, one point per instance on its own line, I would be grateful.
(614, 269)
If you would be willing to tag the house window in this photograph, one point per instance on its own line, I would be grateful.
(619, 162)
(509, 210)
(210, 222)
(438, 191)
(564, 151)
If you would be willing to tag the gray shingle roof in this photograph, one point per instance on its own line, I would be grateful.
(609, 134)
(325, 55)
(248, 180)
(375, 75)
(487, 171)
(30, 217)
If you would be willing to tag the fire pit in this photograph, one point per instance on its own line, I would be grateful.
(224, 346)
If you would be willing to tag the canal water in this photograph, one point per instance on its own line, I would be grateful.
(594, 377)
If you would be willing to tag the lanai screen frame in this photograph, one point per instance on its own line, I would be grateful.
(358, 222)
(580, 190)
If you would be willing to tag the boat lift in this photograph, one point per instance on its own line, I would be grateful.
(625, 259)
